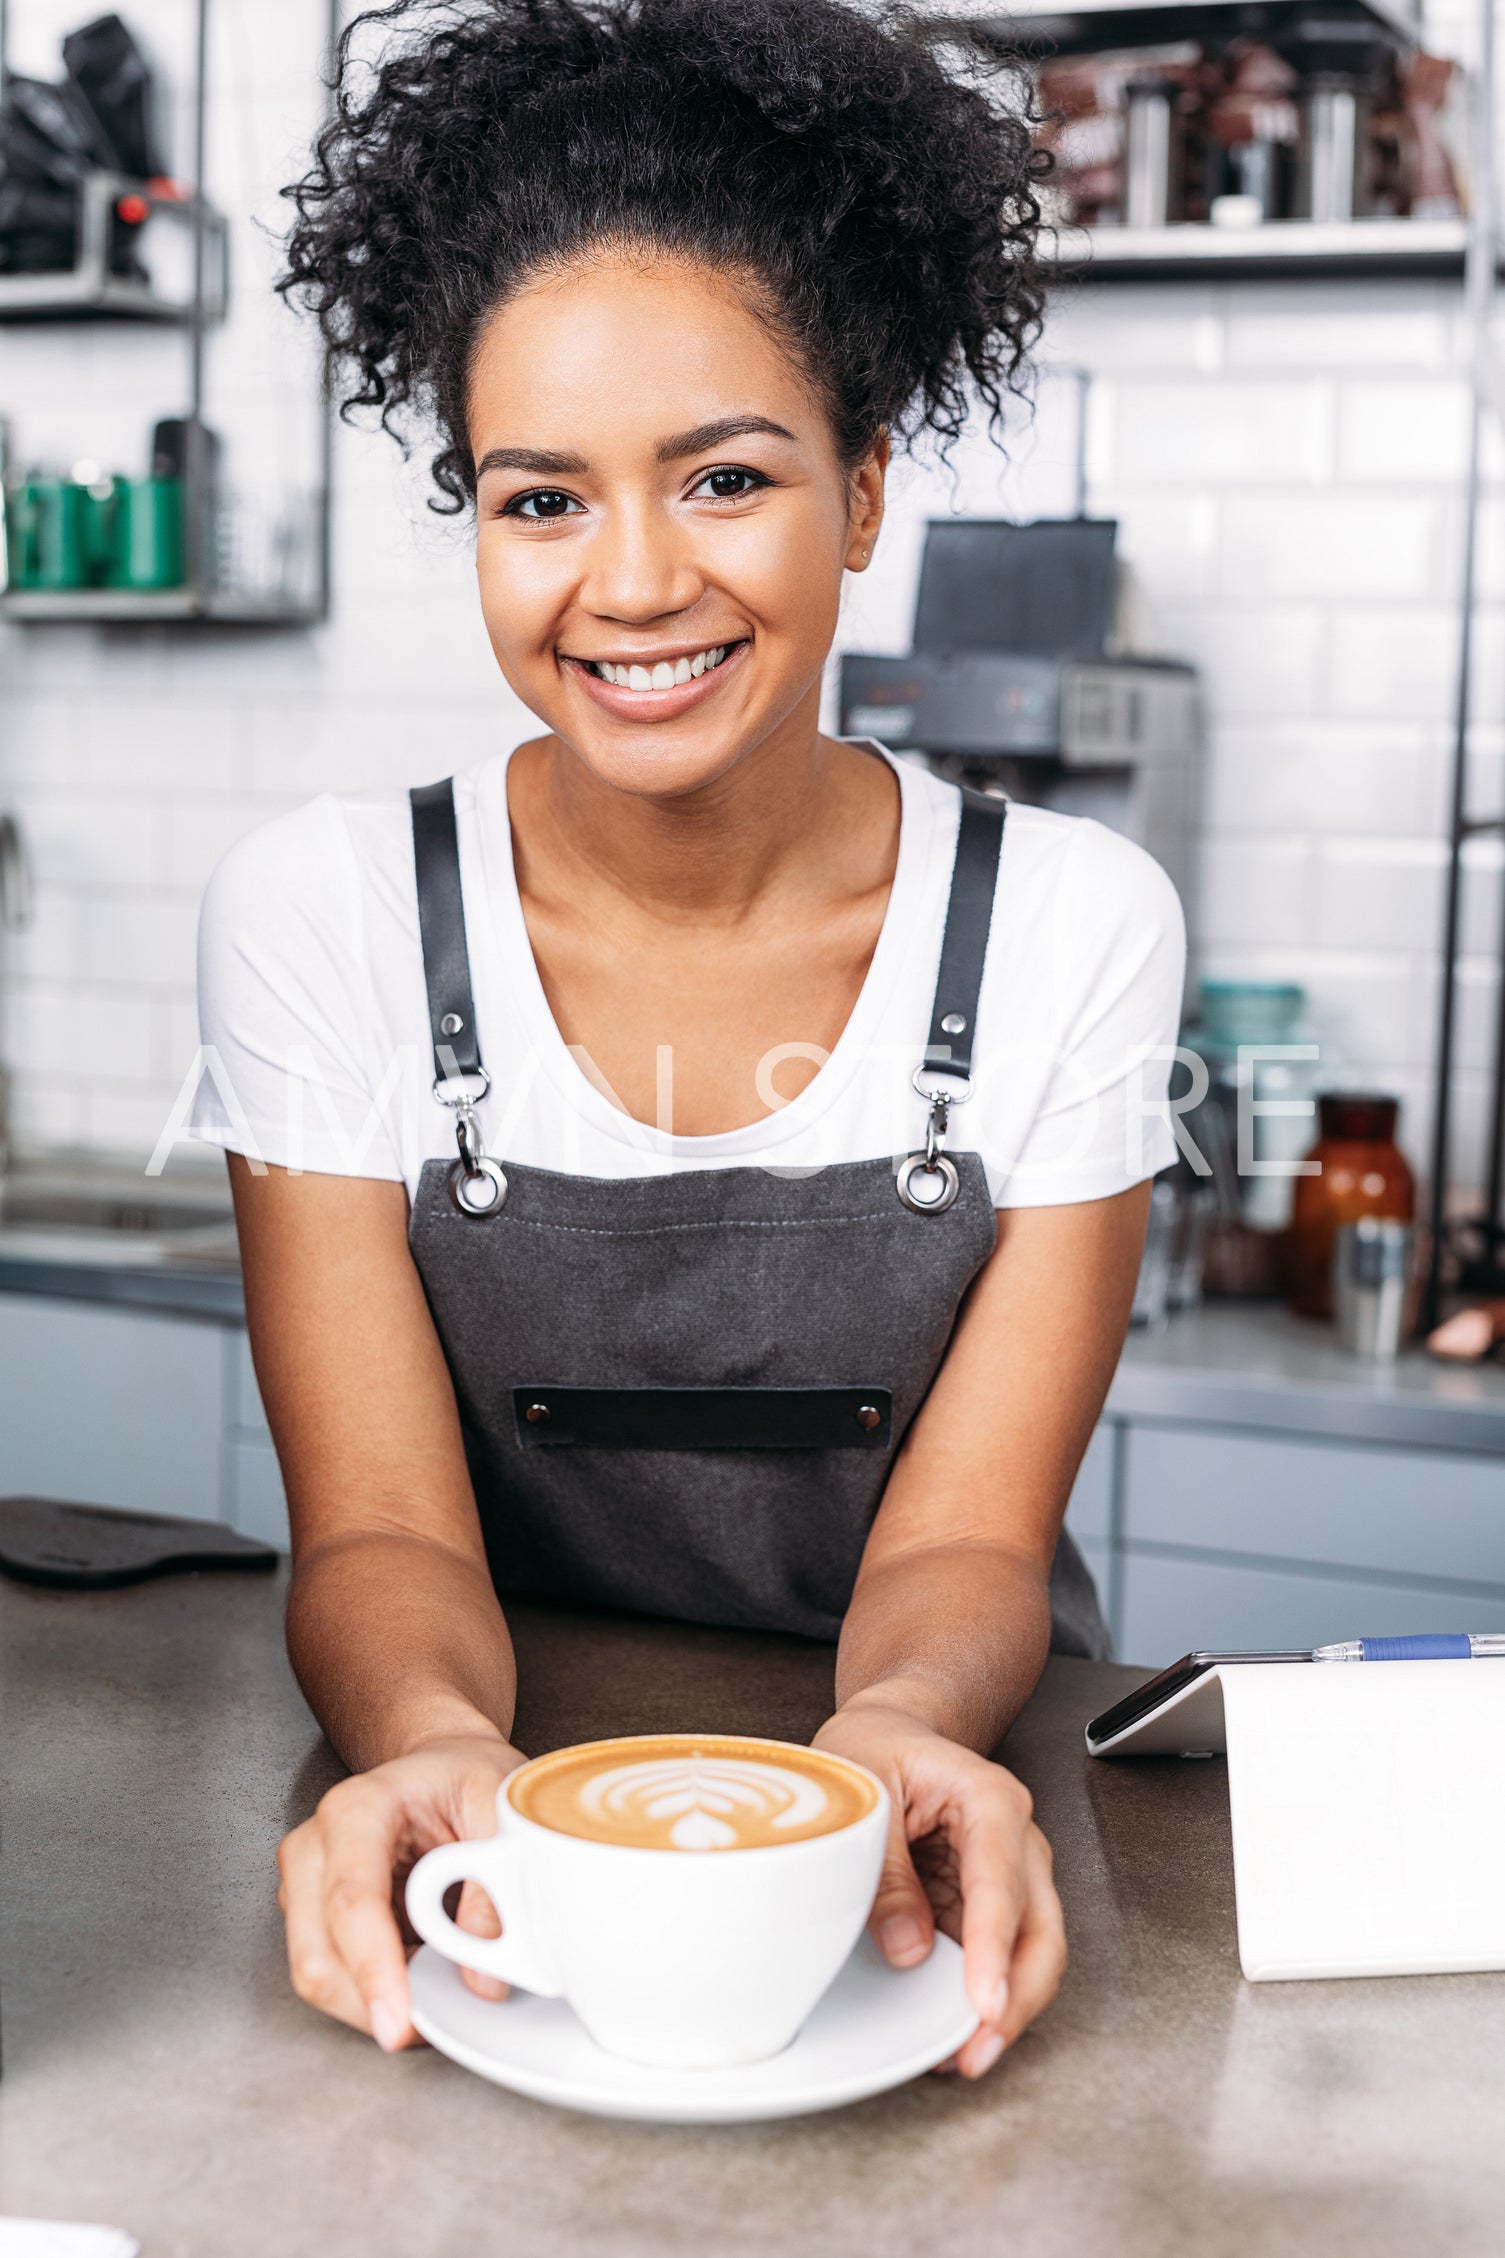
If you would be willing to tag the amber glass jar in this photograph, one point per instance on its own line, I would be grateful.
(1363, 1172)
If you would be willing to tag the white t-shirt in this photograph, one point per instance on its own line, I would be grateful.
(315, 1020)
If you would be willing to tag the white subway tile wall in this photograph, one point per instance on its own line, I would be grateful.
(1285, 466)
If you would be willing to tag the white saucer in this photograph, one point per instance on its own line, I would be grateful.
(876, 2027)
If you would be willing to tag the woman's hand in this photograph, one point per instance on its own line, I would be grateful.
(964, 1855)
(344, 1869)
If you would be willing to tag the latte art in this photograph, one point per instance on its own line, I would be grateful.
(704, 1802)
(678, 1792)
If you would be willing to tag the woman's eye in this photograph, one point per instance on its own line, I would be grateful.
(730, 485)
(543, 502)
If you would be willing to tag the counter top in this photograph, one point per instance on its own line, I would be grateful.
(1228, 1364)
(90, 1226)
(160, 2076)
(207, 1290)
(1252, 1364)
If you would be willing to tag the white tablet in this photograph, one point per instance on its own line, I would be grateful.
(1177, 1713)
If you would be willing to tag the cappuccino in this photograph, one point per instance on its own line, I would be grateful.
(682, 1791)
(687, 1962)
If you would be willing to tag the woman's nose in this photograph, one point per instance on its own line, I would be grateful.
(640, 567)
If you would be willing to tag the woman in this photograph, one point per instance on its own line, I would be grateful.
(767, 1255)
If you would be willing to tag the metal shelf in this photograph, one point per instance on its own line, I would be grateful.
(89, 291)
(92, 292)
(1074, 27)
(75, 297)
(1281, 250)
(122, 607)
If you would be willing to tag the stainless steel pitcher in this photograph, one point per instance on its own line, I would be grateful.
(1373, 1261)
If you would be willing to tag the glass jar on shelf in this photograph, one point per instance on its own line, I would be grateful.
(1266, 1063)
(1360, 1171)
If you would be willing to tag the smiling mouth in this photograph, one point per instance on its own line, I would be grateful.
(664, 674)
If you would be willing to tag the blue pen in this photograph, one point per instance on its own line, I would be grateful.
(1425, 1646)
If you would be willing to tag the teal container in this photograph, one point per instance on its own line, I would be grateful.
(49, 534)
(146, 534)
(99, 531)
(1252, 1011)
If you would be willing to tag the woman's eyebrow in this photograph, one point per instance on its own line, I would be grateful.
(705, 436)
(539, 460)
(544, 462)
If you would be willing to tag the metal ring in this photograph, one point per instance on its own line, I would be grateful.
(443, 1082)
(468, 1138)
(917, 1165)
(465, 1188)
(958, 1094)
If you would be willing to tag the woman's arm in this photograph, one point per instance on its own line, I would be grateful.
(944, 1639)
(952, 1602)
(387, 1551)
(393, 1625)
(949, 1624)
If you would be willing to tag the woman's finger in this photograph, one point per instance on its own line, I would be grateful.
(901, 1923)
(318, 1976)
(477, 1916)
(988, 1832)
(359, 1857)
(1038, 1958)
(1040, 1949)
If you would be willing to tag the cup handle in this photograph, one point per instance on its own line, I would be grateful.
(515, 1956)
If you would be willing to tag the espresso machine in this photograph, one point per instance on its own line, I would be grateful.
(1010, 689)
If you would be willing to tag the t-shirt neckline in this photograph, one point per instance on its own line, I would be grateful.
(513, 949)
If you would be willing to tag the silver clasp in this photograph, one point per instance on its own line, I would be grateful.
(934, 1163)
(476, 1184)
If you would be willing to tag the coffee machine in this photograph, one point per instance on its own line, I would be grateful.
(1010, 689)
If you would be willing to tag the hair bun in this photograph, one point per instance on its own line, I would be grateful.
(877, 179)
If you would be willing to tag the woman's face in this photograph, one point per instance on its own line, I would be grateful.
(663, 520)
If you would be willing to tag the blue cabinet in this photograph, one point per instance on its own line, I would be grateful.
(1200, 1531)
(1174, 1603)
(1232, 1539)
(111, 1406)
(255, 1502)
(107, 1405)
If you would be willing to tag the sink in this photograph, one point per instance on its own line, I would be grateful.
(81, 1210)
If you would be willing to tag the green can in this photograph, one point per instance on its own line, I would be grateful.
(49, 530)
(146, 533)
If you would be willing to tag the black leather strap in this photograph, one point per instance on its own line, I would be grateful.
(446, 960)
(441, 922)
(704, 1418)
(964, 947)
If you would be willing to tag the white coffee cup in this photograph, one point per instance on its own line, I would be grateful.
(681, 1958)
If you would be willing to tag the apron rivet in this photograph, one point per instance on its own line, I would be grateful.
(451, 1023)
(953, 1023)
(536, 1414)
(869, 1415)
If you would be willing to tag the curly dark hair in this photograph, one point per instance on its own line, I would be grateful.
(870, 176)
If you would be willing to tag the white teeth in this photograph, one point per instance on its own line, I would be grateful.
(665, 674)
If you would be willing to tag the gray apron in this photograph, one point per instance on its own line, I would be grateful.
(683, 1395)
